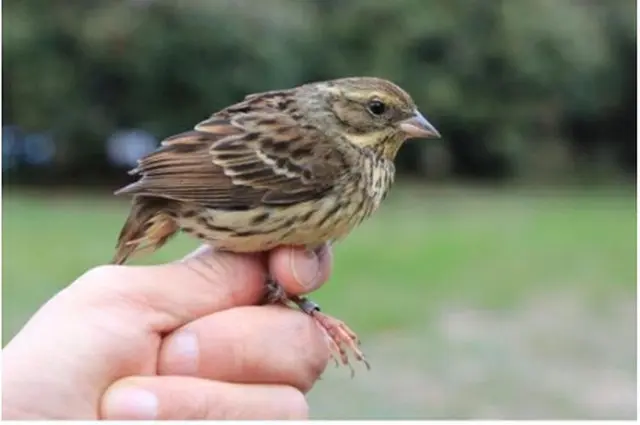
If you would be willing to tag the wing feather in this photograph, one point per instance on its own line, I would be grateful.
(242, 160)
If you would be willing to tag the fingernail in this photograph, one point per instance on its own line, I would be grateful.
(131, 403)
(181, 353)
(305, 267)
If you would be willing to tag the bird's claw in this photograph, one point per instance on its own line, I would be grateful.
(340, 336)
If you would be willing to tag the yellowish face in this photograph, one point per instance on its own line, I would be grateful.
(376, 113)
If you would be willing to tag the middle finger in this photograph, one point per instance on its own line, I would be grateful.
(265, 344)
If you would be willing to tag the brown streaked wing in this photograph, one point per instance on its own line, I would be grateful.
(241, 162)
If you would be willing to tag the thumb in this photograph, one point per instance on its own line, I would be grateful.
(299, 270)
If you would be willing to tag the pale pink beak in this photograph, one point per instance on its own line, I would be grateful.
(418, 126)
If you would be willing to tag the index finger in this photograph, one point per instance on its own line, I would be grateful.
(173, 294)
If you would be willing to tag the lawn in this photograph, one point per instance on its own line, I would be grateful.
(489, 255)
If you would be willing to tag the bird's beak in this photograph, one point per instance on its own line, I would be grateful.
(418, 126)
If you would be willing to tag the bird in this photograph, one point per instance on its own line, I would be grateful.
(293, 167)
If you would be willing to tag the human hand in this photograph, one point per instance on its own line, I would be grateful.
(177, 341)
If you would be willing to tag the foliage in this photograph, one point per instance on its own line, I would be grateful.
(504, 81)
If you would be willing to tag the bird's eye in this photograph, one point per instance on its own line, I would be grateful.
(377, 107)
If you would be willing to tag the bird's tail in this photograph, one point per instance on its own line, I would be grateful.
(148, 227)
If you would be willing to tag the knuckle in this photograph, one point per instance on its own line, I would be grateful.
(107, 286)
(95, 282)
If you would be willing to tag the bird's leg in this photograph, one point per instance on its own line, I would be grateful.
(340, 336)
(275, 293)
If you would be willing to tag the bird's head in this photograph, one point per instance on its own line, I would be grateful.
(374, 113)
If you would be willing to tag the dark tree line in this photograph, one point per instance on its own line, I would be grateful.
(527, 88)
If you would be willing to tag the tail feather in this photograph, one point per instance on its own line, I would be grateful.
(148, 227)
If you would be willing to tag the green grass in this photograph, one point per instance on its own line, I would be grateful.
(424, 249)
(480, 303)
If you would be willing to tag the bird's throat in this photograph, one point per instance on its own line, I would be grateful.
(383, 144)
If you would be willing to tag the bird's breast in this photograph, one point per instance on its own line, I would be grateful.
(379, 181)
(328, 218)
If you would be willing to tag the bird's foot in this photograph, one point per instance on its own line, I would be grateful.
(275, 293)
(341, 338)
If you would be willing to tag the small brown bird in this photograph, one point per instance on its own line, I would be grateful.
(300, 167)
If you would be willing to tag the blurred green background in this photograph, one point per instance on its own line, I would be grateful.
(499, 279)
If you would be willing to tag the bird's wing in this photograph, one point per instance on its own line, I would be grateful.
(242, 160)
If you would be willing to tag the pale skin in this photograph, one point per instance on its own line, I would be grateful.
(183, 340)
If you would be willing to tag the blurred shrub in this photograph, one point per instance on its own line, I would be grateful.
(530, 87)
